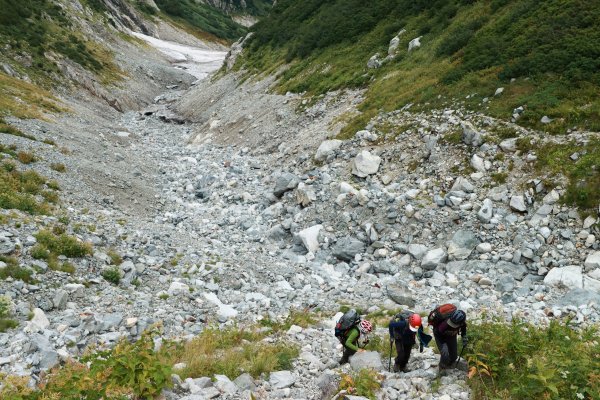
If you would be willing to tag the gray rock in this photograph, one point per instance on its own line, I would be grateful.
(462, 245)
(366, 359)
(346, 248)
(374, 62)
(471, 135)
(327, 148)
(400, 294)
(552, 197)
(433, 258)
(225, 385)
(6, 247)
(545, 120)
(578, 297)
(417, 250)
(509, 145)
(477, 163)
(486, 212)
(592, 261)
(517, 203)
(365, 164)
(282, 379)
(505, 284)
(305, 194)
(60, 299)
(245, 382)
(463, 185)
(285, 182)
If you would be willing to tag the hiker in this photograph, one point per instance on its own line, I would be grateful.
(357, 337)
(447, 322)
(404, 328)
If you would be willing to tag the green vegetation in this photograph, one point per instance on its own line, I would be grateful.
(26, 157)
(6, 321)
(551, 49)
(130, 370)
(233, 351)
(11, 130)
(202, 16)
(63, 244)
(362, 383)
(112, 275)
(523, 361)
(115, 257)
(14, 270)
(583, 174)
(58, 167)
(18, 190)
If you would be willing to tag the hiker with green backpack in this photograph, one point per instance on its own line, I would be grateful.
(404, 329)
(448, 322)
(353, 333)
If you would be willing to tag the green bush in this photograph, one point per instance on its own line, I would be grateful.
(523, 361)
(63, 244)
(14, 270)
(364, 383)
(112, 275)
(17, 189)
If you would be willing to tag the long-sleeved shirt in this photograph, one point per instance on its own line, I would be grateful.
(352, 339)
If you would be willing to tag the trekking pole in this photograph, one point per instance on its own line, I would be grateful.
(390, 362)
(460, 355)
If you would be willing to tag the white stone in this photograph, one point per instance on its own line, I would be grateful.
(365, 164)
(38, 323)
(433, 258)
(509, 145)
(499, 91)
(570, 277)
(477, 163)
(517, 203)
(305, 194)
(484, 247)
(415, 43)
(552, 197)
(326, 148)
(281, 379)
(592, 261)
(310, 237)
(177, 288)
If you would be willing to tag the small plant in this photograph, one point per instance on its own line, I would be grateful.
(163, 296)
(6, 310)
(26, 157)
(51, 142)
(58, 167)
(115, 258)
(362, 383)
(14, 270)
(112, 275)
(499, 177)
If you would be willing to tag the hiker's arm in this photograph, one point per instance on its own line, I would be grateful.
(463, 330)
(352, 339)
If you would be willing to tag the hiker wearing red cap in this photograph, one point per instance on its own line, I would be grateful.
(403, 332)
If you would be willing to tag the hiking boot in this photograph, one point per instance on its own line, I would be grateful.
(397, 368)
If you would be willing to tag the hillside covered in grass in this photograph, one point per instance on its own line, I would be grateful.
(546, 55)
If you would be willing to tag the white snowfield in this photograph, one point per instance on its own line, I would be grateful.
(197, 61)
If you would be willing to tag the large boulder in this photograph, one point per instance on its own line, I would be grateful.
(365, 164)
(366, 359)
(569, 277)
(486, 212)
(471, 135)
(433, 258)
(517, 203)
(400, 294)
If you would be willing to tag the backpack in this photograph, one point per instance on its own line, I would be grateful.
(348, 321)
(440, 313)
(403, 315)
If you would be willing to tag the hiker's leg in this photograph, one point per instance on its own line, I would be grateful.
(347, 354)
(399, 355)
(407, 350)
(443, 348)
(444, 352)
(452, 349)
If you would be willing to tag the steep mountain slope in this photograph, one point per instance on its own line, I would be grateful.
(545, 55)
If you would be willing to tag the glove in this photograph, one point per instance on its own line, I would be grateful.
(421, 348)
(465, 340)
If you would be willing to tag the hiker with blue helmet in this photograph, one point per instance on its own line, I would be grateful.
(448, 322)
(404, 329)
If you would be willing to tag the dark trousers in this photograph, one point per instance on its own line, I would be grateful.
(347, 354)
(402, 354)
(448, 349)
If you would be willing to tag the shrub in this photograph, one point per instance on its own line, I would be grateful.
(524, 361)
(26, 157)
(362, 383)
(231, 352)
(63, 244)
(14, 270)
(17, 189)
(112, 275)
(59, 167)
(115, 258)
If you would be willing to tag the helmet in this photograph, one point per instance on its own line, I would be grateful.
(457, 318)
(365, 326)
(414, 322)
